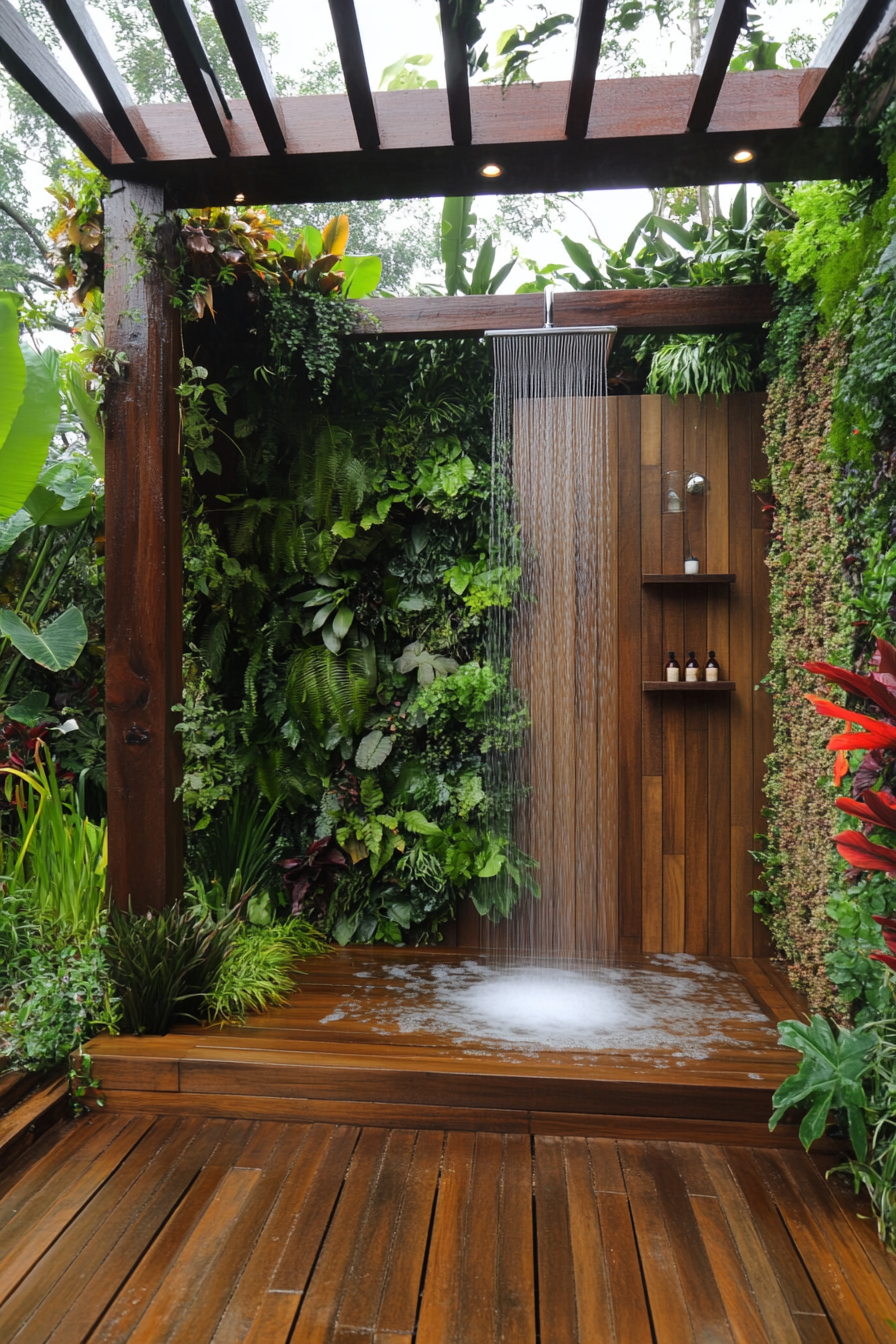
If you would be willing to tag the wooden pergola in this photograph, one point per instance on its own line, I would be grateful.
(584, 133)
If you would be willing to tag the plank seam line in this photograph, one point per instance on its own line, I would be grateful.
(326, 1232)
(429, 1231)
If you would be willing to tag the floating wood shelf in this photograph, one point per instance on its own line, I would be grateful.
(690, 686)
(648, 580)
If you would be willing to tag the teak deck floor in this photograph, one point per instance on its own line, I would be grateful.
(338, 1055)
(156, 1230)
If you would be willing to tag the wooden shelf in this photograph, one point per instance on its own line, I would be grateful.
(649, 580)
(691, 687)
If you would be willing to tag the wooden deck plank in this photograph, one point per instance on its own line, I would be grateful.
(360, 1306)
(593, 1303)
(332, 1271)
(27, 1250)
(440, 1304)
(51, 1283)
(249, 1300)
(669, 1310)
(126, 1310)
(97, 1274)
(231, 1230)
(515, 1288)
(402, 1285)
(556, 1270)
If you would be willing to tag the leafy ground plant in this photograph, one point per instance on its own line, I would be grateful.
(59, 854)
(260, 968)
(165, 963)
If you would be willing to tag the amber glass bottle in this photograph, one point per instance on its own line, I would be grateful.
(673, 668)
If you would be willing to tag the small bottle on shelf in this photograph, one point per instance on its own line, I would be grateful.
(712, 667)
(692, 668)
(673, 668)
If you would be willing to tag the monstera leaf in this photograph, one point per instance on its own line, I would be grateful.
(57, 646)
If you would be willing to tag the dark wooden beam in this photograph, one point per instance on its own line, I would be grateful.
(678, 309)
(175, 18)
(143, 563)
(78, 31)
(456, 80)
(728, 19)
(241, 36)
(33, 65)
(354, 70)
(589, 36)
(844, 44)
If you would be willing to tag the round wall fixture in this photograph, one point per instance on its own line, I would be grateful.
(742, 156)
(491, 170)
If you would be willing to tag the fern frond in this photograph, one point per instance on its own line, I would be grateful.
(323, 688)
(213, 643)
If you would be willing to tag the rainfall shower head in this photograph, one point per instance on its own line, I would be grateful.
(550, 330)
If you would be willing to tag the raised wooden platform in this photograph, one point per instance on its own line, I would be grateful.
(177, 1230)
(343, 1052)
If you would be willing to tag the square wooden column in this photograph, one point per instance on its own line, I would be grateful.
(144, 606)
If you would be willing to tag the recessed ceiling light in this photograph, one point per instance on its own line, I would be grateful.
(742, 156)
(491, 170)
(239, 198)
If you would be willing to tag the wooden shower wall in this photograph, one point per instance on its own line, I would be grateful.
(689, 768)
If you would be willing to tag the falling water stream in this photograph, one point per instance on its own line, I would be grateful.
(552, 517)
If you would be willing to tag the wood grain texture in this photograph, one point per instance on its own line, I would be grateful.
(279, 1232)
(143, 566)
(636, 136)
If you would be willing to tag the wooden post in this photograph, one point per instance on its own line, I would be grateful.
(143, 563)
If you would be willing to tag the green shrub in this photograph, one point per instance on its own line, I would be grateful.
(59, 997)
(165, 963)
(258, 971)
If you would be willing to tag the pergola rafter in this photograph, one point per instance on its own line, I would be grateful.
(585, 133)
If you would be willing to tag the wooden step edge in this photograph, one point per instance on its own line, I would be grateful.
(14, 1085)
(798, 1002)
(731, 1133)
(46, 1103)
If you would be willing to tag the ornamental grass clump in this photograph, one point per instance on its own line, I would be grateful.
(260, 968)
(59, 854)
(164, 964)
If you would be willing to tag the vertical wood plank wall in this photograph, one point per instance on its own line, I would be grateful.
(691, 767)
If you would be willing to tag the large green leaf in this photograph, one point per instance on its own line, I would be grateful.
(87, 410)
(47, 509)
(362, 275)
(482, 271)
(457, 236)
(12, 365)
(373, 750)
(24, 450)
(57, 646)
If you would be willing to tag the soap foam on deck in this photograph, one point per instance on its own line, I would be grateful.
(684, 1007)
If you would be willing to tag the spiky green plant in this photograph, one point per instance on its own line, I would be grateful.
(259, 972)
(236, 852)
(703, 364)
(60, 854)
(165, 963)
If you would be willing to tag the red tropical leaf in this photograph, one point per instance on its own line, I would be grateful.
(885, 657)
(882, 739)
(888, 961)
(857, 684)
(841, 767)
(861, 852)
(877, 809)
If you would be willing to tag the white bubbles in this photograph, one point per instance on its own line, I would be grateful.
(680, 1007)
